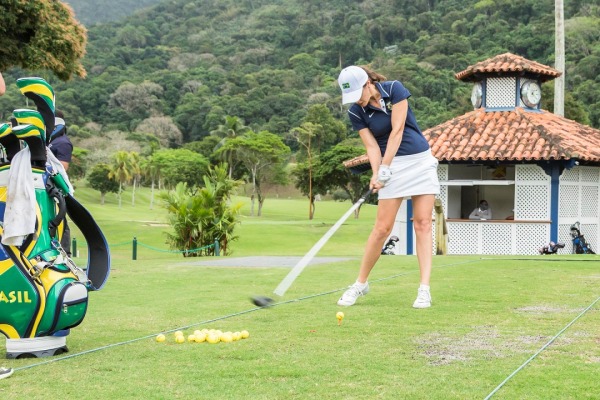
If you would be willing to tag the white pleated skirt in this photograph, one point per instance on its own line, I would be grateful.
(411, 176)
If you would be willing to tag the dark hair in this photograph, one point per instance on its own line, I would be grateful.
(373, 76)
(58, 113)
(483, 201)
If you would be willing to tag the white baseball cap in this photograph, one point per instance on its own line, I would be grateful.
(351, 81)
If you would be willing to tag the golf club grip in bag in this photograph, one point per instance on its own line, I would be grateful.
(299, 267)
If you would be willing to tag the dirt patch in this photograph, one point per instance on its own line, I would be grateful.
(547, 309)
(481, 341)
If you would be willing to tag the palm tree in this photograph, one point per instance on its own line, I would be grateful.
(136, 171)
(232, 128)
(120, 170)
(151, 171)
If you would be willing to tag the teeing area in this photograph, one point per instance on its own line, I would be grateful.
(499, 327)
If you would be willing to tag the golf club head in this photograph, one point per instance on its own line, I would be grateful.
(262, 301)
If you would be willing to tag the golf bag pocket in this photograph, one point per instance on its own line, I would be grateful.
(71, 302)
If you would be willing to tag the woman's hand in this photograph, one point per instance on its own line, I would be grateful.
(375, 184)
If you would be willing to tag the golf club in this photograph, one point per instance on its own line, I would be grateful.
(263, 301)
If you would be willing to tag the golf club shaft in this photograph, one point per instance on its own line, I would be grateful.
(293, 274)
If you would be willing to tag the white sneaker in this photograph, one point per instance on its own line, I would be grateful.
(423, 299)
(5, 372)
(354, 292)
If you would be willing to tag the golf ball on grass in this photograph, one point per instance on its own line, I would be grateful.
(191, 338)
(213, 338)
(245, 334)
(160, 338)
(200, 337)
(340, 317)
(227, 337)
(180, 339)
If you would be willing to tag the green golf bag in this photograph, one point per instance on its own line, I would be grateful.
(42, 292)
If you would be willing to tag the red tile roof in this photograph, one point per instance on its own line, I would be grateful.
(505, 64)
(511, 136)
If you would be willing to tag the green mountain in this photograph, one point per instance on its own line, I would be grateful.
(193, 62)
(91, 12)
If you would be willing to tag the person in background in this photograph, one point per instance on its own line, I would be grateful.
(483, 211)
(2, 85)
(62, 148)
(402, 166)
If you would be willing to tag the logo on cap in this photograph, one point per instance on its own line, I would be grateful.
(345, 85)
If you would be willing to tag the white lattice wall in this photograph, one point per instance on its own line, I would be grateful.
(497, 238)
(500, 92)
(463, 238)
(530, 237)
(532, 193)
(579, 194)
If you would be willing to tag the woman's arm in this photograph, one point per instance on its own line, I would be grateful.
(374, 154)
(399, 112)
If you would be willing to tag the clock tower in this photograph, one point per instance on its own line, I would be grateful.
(507, 81)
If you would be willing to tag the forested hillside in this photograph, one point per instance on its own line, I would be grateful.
(176, 70)
(91, 12)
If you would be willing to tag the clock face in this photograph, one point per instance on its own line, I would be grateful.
(531, 94)
(477, 95)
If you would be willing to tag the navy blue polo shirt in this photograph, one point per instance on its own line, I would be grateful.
(379, 121)
(62, 148)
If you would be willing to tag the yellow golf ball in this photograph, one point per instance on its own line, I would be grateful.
(227, 337)
(160, 338)
(178, 333)
(339, 315)
(200, 337)
(212, 338)
(191, 338)
(179, 339)
(237, 336)
(245, 334)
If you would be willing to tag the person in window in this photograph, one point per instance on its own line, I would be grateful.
(483, 211)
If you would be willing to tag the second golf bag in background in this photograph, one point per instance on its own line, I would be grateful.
(551, 248)
(390, 246)
(580, 245)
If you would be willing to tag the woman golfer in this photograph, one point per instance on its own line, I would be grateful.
(402, 166)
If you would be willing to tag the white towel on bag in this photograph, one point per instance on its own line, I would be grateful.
(19, 214)
(59, 168)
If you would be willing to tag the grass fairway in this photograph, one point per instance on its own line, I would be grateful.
(490, 315)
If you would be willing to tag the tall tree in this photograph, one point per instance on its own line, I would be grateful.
(136, 172)
(262, 154)
(99, 179)
(232, 128)
(151, 170)
(42, 34)
(120, 170)
(305, 135)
